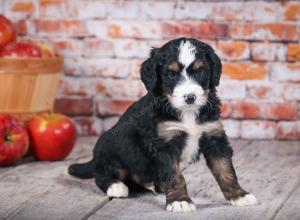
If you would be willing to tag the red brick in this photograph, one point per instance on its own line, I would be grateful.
(263, 31)
(95, 47)
(56, 8)
(233, 50)
(244, 70)
(292, 91)
(20, 9)
(285, 72)
(124, 29)
(291, 11)
(288, 130)
(245, 110)
(280, 111)
(201, 30)
(112, 107)
(268, 91)
(60, 27)
(293, 52)
(268, 51)
(87, 126)
(225, 110)
(254, 110)
(258, 129)
(74, 106)
(21, 27)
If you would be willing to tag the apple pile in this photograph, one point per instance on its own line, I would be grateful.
(11, 48)
(51, 137)
(14, 140)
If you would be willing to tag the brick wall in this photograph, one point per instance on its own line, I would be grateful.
(104, 43)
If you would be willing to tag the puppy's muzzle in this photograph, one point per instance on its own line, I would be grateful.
(190, 98)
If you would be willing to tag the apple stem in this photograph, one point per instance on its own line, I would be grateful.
(7, 137)
(50, 114)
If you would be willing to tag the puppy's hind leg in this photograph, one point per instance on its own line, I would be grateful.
(111, 182)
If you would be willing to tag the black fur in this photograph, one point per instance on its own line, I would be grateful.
(133, 147)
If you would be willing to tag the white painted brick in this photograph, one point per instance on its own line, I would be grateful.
(292, 92)
(157, 9)
(232, 128)
(284, 72)
(229, 90)
(131, 49)
(193, 10)
(108, 123)
(258, 129)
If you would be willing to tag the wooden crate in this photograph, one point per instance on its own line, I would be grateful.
(28, 86)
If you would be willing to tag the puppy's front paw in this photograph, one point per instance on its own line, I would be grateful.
(246, 200)
(117, 190)
(181, 206)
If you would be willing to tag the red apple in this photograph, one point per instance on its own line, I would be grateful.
(21, 49)
(52, 136)
(7, 32)
(46, 51)
(14, 140)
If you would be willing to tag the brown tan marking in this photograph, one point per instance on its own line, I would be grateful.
(197, 64)
(175, 187)
(122, 174)
(224, 173)
(174, 67)
(170, 129)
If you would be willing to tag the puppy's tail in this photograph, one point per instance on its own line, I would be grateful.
(83, 170)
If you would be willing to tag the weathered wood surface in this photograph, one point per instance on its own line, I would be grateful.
(42, 190)
(270, 170)
(291, 209)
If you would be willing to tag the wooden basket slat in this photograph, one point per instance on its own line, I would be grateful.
(28, 86)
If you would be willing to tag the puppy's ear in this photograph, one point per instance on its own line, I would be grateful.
(216, 69)
(149, 71)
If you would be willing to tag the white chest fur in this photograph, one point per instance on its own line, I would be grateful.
(194, 131)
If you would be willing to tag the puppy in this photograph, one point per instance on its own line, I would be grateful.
(167, 130)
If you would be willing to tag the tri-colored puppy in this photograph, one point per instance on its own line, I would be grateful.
(167, 129)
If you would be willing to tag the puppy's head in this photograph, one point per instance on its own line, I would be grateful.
(183, 70)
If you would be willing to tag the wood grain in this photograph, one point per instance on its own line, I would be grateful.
(28, 86)
(42, 190)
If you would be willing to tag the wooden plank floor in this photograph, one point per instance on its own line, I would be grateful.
(42, 190)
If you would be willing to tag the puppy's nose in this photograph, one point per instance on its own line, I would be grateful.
(190, 98)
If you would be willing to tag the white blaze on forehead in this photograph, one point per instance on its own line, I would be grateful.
(187, 53)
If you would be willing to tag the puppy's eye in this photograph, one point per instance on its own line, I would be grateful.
(172, 75)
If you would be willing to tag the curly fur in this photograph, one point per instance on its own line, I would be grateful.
(134, 148)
